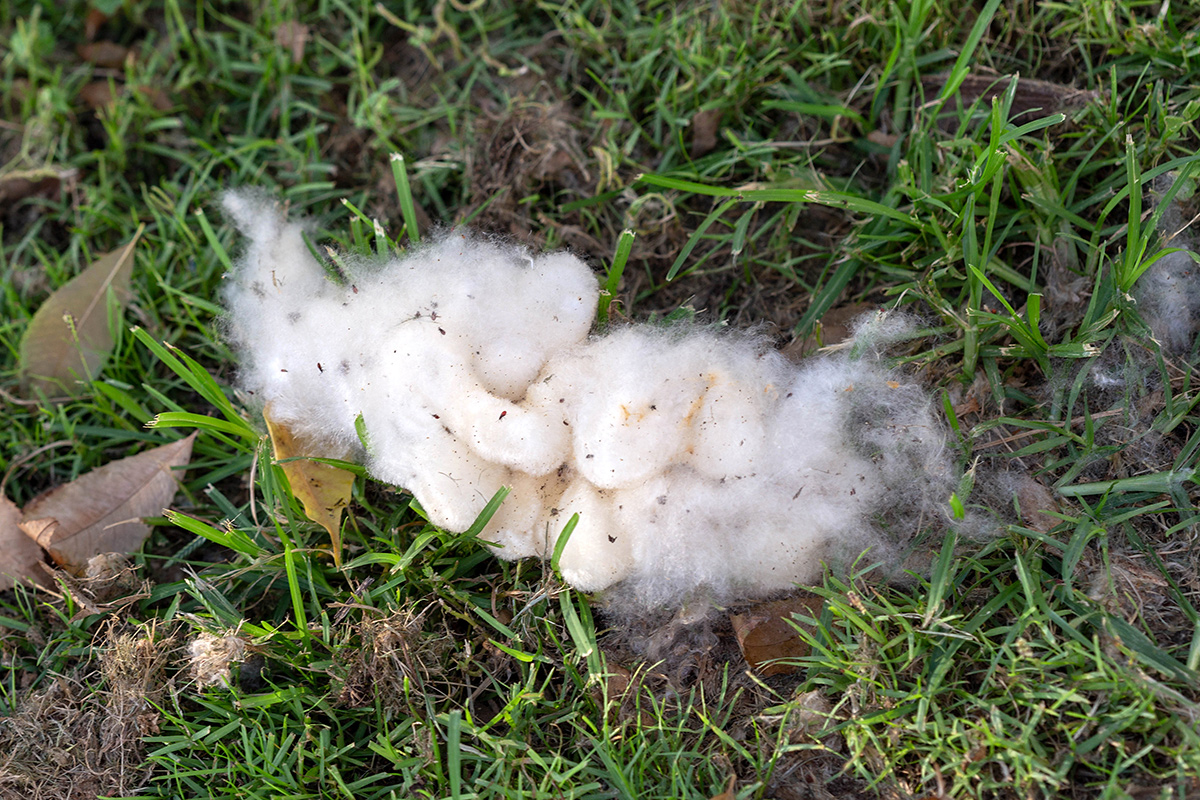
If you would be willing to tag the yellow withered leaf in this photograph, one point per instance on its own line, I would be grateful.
(323, 489)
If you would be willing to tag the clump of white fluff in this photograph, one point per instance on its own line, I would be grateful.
(1169, 299)
(695, 460)
(1168, 293)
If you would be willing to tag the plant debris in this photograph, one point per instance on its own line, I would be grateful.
(82, 738)
(69, 338)
(102, 510)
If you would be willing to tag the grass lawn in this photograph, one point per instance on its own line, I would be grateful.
(781, 164)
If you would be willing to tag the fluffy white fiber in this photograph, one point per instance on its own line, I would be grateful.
(1168, 293)
(696, 460)
(1168, 296)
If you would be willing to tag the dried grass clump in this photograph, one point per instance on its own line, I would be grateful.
(70, 740)
(521, 151)
(394, 658)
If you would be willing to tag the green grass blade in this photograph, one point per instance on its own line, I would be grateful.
(613, 281)
(404, 191)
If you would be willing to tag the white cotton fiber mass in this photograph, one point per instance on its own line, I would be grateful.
(696, 460)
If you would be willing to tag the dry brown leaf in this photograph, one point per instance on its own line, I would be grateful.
(324, 490)
(92, 22)
(765, 633)
(882, 138)
(619, 694)
(1031, 95)
(40, 531)
(705, 125)
(18, 90)
(1036, 503)
(109, 55)
(98, 95)
(834, 328)
(102, 510)
(617, 684)
(293, 36)
(19, 557)
(728, 794)
(68, 340)
(102, 95)
(157, 97)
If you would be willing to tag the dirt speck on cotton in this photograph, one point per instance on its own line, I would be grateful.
(697, 460)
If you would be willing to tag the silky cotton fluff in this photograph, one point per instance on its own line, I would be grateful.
(696, 460)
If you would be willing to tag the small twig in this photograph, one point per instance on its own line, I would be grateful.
(803, 145)
(30, 455)
(253, 497)
(1186, 225)
(17, 401)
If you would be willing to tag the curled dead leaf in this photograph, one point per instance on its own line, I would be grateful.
(765, 633)
(20, 557)
(101, 511)
(323, 489)
(40, 531)
(69, 339)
